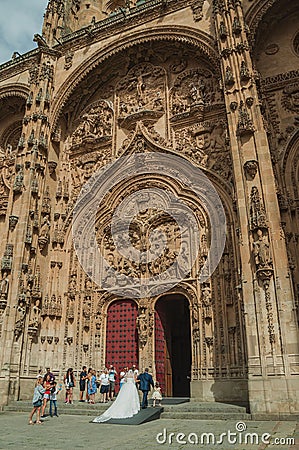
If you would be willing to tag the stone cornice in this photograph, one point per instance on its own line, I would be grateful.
(280, 80)
(18, 65)
(121, 22)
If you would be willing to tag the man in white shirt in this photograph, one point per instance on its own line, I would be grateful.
(104, 389)
(112, 374)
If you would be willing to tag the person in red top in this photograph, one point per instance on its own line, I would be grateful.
(47, 387)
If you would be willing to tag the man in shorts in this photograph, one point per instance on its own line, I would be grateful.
(104, 389)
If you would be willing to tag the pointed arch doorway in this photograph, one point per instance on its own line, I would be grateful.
(173, 345)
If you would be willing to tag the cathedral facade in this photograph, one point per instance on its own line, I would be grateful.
(210, 83)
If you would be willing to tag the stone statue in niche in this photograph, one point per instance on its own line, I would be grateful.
(261, 251)
(4, 286)
(44, 235)
(19, 180)
(207, 302)
(142, 326)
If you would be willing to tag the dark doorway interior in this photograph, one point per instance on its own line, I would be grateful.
(173, 345)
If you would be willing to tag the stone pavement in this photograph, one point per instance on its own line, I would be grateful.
(76, 432)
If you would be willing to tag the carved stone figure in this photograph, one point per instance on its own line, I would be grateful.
(207, 302)
(229, 77)
(44, 235)
(95, 123)
(251, 169)
(4, 286)
(142, 326)
(261, 251)
(19, 180)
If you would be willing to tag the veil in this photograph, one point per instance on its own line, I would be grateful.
(130, 374)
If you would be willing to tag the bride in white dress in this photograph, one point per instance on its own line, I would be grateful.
(127, 402)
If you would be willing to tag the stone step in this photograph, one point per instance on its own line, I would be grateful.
(205, 407)
(192, 410)
(69, 410)
(204, 415)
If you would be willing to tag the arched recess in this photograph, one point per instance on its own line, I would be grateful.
(173, 355)
(197, 39)
(186, 117)
(12, 110)
(218, 343)
(289, 170)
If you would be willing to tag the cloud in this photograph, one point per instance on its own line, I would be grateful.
(19, 21)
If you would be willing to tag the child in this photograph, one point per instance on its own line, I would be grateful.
(37, 400)
(53, 398)
(157, 395)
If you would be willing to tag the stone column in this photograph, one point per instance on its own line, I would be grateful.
(32, 227)
(271, 331)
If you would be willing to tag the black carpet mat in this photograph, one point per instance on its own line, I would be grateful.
(144, 415)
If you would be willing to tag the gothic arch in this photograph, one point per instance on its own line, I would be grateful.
(186, 35)
(290, 164)
(14, 90)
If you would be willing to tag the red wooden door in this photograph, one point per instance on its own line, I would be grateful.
(162, 354)
(121, 335)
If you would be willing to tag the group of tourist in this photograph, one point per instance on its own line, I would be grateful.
(46, 389)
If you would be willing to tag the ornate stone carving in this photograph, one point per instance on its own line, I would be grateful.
(4, 289)
(142, 326)
(229, 77)
(52, 166)
(13, 220)
(261, 251)
(250, 168)
(257, 210)
(44, 236)
(244, 72)
(95, 124)
(192, 90)
(245, 125)
(68, 59)
(222, 31)
(206, 299)
(6, 262)
(197, 6)
(46, 204)
(18, 185)
(52, 307)
(290, 98)
(141, 95)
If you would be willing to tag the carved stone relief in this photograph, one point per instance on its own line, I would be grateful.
(141, 95)
(95, 124)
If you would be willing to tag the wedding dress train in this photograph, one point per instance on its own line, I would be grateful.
(126, 404)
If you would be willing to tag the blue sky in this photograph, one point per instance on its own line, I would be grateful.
(19, 21)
